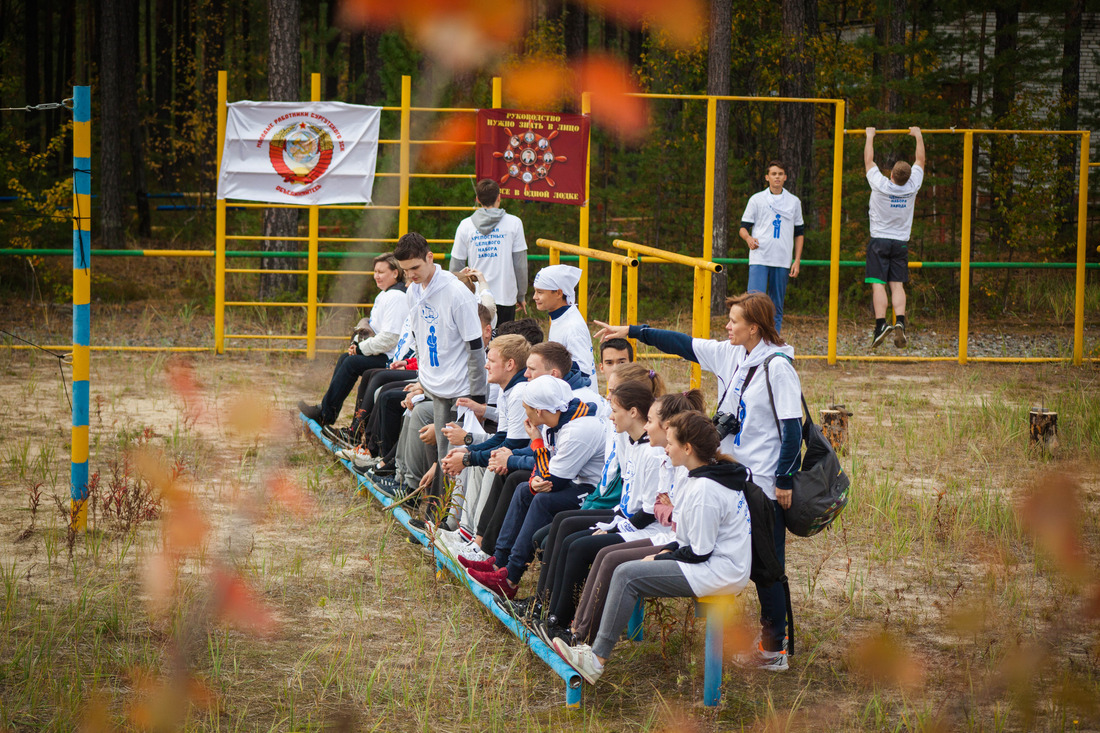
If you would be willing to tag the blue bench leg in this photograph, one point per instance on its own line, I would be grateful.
(634, 627)
(712, 664)
(573, 696)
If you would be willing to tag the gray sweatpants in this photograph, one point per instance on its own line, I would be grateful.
(443, 414)
(413, 457)
(631, 581)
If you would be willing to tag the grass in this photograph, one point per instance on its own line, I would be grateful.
(936, 603)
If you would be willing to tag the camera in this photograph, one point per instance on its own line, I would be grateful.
(727, 423)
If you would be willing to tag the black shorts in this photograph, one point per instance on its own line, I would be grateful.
(887, 261)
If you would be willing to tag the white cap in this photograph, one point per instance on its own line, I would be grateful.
(548, 393)
(559, 277)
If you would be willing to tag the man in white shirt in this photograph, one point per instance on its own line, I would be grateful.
(891, 216)
(555, 293)
(491, 240)
(773, 229)
(445, 325)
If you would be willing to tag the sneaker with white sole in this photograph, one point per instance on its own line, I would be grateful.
(580, 658)
(900, 341)
(358, 455)
(879, 335)
(759, 658)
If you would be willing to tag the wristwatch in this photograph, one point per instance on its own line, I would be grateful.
(466, 459)
(469, 439)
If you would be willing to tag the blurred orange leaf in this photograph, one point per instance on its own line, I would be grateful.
(455, 132)
(536, 83)
(609, 83)
(684, 21)
(185, 527)
(1050, 513)
(291, 495)
(160, 580)
(238, 605)
(180, 375)
(882, 660)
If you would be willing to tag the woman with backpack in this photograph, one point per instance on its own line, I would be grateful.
(760, 427)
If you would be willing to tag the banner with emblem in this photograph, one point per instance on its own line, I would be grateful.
(299, 152)
(534, 156)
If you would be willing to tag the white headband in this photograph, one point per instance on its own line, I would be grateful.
(559, 277)
(547, 393)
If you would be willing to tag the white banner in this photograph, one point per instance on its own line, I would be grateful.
(299, 152)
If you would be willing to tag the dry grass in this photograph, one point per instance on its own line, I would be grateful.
(284, 601)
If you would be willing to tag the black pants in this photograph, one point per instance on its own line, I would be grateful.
(496, 508)
(578, 551)
(348, 368)
(369, 384)
(564, 524)
(505, 313)
(384, 425)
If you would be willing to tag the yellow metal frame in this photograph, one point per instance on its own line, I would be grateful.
(700, 301)
(966, 238)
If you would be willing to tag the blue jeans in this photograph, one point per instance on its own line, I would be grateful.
(773, 600)
(772, 281)
(527, 514)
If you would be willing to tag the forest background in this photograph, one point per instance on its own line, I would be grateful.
(152, 65)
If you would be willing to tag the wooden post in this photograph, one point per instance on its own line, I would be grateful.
(834, 425)
(1044, 428)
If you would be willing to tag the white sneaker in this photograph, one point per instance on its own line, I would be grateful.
(757, 657)
(581, 659)
(471, 551)
(357, 455)
(452, 540)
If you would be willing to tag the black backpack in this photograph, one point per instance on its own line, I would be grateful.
(821, 487)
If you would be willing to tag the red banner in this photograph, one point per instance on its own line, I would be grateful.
(534, 156)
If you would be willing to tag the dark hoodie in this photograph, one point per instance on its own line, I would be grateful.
(736, 477)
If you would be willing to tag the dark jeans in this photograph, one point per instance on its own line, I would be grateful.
(348, 368)
(384, 426)
(526, 514)
(564, 524)
(505, 313)
(773, 600)
(496, 508)
(578, 551)
(369, 385)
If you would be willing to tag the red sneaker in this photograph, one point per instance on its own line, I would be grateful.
(479, 565)
(495, 581)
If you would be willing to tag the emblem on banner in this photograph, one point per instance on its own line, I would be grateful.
(529, 157)
(300, 152)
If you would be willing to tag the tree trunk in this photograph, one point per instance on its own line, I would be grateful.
(895, 55)
(112, 26)
(372, 82)
(1071, 84)
(283, 71)
(132, 128)
(718, 83)
(32, 80)
(576, 30)
(796, 121)
(333, 58)
(1000, 150)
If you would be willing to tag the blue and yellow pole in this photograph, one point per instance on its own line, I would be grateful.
(82, 292)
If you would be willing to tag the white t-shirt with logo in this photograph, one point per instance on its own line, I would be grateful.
(510, 412)
(757, 445)
(711, 518)
(443, 318)
(891, 207)
(492, 254)
(773, 221)
(570, 330)
(389, 313)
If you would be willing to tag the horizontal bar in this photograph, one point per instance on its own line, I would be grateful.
(725, 98)
(428, 175)
(596, 254)
(261, 271)
(668, 256)
(272, 304)
(471, 143)
(343, 305)
(961, 131)
(344, 207)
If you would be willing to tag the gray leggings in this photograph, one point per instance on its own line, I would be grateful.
(631, 581)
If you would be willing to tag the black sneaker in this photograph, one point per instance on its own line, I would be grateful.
(382, 470)
(418, 524)
(313, 412)
(549, 631)
(343, 437)
(390, 487)
(879, 335)
(899, 336)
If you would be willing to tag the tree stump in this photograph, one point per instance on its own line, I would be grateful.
(1044, 428)
(834, 425)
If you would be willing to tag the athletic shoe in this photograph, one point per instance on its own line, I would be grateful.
(452, 540)
(313, 412)
(358, 455)
(899, 336)
(470, 551)
(549, 631)
(467, 534)
(419, 525)
(760, 658)
(494, 581)
(580, 658)
(480, 566)
(390, 487)
(879, 335)
(343, 437)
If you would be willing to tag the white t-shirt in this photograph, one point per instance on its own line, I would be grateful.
(570, 330)
(711, 518)
(641, 480)
(757, 445)
(510, 412)
(578, 451)
(492, 254)
(443, 318)
(773, 221)
(669, 481)
(389, 313)
(587, 394)
(890, 210)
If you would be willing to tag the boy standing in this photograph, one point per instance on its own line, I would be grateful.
(444, 321)
(554, 294)
(492, 241)
(890, 212)
(772, 227)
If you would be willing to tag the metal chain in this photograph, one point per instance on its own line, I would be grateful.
(66, 103)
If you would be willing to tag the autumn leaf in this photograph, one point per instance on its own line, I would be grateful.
(453, 135)
(536, 83)
(609, 84)
(238, 605)
(290, 495)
